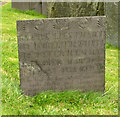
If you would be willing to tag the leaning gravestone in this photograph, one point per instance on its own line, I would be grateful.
(62, 54)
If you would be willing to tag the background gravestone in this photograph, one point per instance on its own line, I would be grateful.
(62, 54)
(74, 9)
(24, 6)
(111, 11)
(62, 9)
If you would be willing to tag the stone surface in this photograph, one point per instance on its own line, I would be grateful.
(44, 8)
(62, 9)
(36, 6)
(111, 11)
(62, 54)
(24, 6)
(74, 9)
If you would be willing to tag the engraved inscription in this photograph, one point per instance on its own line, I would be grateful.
(61, 54)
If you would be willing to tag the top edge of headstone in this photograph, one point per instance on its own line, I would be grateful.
(62, 18)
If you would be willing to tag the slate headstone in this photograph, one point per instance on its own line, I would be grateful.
(61, 54)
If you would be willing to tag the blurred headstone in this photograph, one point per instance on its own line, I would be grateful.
(24, 6)
(62, 54)
(111, 12)
(74, 9)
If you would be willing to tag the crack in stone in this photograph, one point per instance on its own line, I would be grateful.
(81, 27)
(40, 68)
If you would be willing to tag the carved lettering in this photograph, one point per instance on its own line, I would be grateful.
(61, 53)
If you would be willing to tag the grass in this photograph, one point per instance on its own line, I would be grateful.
(50, 103)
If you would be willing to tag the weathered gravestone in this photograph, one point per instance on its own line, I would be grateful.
(62, 9)
(72, 9)
(62, 54)
(111, 11)
(24, 6)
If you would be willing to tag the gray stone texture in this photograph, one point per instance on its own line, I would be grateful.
(36, 6)
(61, 54)
(62, 9)
(24, 6)
(74, 9)
(44, 8)
(111, 11)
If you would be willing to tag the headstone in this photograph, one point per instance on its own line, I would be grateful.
(36, 6)
(62, 54)
(44, 8)
(62, 9)
(24, 6)
(111, 11)
(74, 9)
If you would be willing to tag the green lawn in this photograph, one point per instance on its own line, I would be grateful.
(50, 103)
